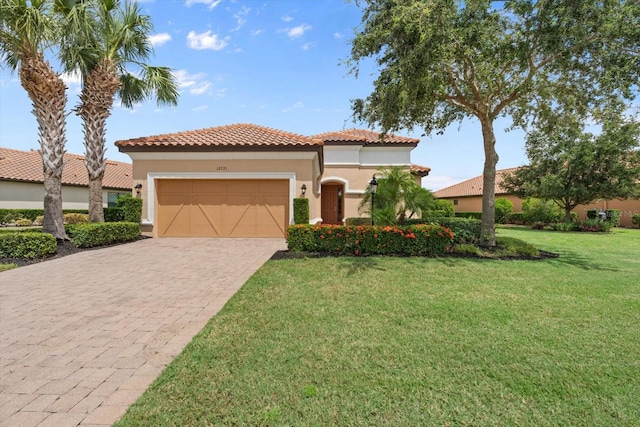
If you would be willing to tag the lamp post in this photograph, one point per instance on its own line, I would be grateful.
(373, 187)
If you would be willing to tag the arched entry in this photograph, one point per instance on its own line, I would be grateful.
(332, 203)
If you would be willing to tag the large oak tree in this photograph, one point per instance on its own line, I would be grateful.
(443, 60)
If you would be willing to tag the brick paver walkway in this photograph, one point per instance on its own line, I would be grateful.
(81, 337)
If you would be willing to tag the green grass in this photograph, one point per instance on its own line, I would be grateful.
(411, 341)
(4, 267)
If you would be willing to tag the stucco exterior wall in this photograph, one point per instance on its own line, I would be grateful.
(298, 167)
(30, 195)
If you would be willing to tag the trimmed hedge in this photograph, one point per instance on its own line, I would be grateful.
(469, 215)
(414, 240)
(9, 215)
(132, 208)
(301, 210)
(102, 233)
(635, 219)
(27, 245)
(355, 221)
(464, 230)
(113, 214)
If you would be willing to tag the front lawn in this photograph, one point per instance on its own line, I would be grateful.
(419, 341)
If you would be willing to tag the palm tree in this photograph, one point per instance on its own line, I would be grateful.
(27, 29)
(110, 37)
(399, 196)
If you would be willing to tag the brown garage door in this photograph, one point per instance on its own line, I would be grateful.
(222, 208)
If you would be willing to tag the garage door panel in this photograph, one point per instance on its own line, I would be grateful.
(223, 208)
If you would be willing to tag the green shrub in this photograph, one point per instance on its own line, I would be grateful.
(10, 215)
(416, 240)
(102, 233)
(113, 214)
(613, 215)
(516, 218)
(635, 219)
(444, 206)
(27, 245)
(595, 225)
(355, 221)
(132, 208)
(538, 210)
(301, 210)
(469, 215)
(503, 207)
(510, 246)
(464, 230)
(75, 218)
(23, 222)
(39, 220)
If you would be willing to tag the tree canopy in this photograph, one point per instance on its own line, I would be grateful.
(441, 61)
(573, 167)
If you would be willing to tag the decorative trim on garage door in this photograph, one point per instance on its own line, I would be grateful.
(152, 176)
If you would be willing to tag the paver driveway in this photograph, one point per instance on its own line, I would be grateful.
(81, 337)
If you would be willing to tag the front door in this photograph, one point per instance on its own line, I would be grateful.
(331, 203)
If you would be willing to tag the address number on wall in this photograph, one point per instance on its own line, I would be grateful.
(221, 168)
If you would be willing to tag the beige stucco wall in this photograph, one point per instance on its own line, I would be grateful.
(27, 195)
(298, 168)
(627, 207)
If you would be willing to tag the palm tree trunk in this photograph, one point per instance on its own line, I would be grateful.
(96, 101)
(47, 92)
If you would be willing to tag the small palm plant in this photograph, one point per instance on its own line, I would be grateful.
(399, 197)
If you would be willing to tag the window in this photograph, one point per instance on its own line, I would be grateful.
(112, 197)
(455, 202)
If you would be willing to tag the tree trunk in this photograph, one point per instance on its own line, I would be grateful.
(96, 101)
(48, 96)
(488, 237)
(96, 210)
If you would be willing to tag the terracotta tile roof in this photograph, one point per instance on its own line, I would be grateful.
(241, 135)
(422, 171)
(473, 186)
(26, 166)
(363, 137)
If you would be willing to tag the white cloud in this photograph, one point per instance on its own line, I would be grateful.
(211, 3)
(256, 32)
(195, 84)
(338, 35)
(306, 46)
(200, 108)
(206, 41)
(298, 31)
(295, 106)
(241, 17)
(159, 39)
(73, 81)
(287, 18)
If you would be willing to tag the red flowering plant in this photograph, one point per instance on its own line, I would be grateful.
(421, 240)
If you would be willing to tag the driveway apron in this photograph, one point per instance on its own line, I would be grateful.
(82, 336)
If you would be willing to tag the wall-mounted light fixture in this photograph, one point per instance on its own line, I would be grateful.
(304, 189)
(138, 187)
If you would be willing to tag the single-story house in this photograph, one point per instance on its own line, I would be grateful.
(466, 196)
(22, 181)
(240, 180)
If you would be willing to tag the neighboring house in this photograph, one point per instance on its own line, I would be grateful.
(240, 180)
(22, 181)
(466, 196)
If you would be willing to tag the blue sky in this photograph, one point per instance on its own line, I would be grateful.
(274, 63)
